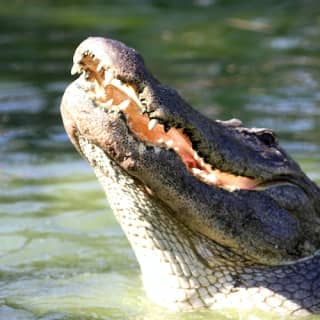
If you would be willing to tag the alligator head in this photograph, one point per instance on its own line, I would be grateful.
(222, 184)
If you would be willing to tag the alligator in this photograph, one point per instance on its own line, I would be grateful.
(219, 215)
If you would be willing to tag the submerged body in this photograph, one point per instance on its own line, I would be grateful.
(218, 214)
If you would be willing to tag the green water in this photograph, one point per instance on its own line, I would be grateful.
(62, 255)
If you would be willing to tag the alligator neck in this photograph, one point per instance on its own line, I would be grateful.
(173, 273)
(182, 270)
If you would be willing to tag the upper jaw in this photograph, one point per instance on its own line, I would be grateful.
(107, 63)
(124, 62)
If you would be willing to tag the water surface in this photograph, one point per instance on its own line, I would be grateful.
(62, 255)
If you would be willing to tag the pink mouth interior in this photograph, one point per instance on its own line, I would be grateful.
(176, 140)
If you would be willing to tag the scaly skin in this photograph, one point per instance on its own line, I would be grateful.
(199, 244)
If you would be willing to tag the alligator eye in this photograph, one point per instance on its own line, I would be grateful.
(267, 138)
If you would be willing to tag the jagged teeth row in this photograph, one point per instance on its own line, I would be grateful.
(210, 178)
(109, 78)
(88, 53)
(152, 123)
(98, 92)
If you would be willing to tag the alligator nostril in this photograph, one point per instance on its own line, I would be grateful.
(267, 137)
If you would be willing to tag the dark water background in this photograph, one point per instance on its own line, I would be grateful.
(62, 255)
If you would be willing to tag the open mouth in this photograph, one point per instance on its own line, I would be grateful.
(111, 93)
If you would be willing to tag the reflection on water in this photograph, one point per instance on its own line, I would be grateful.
(62, 255)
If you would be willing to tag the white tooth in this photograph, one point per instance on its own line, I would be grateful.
(124, 104)
(212, 178)
(100, 93)
(157, 150)
(116, 82)
(87, 74)
(176, 149)
(152, 123)
(142, 147)
(75, 69)
(99, 67)
(107, 104)
(129, 90)
(230, 188)
(92, 95)
(108, 76)
(160, 141)
(95, 82)
(195, 171)
(169, 143)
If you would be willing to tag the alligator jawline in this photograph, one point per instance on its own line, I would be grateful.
(110, 93)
